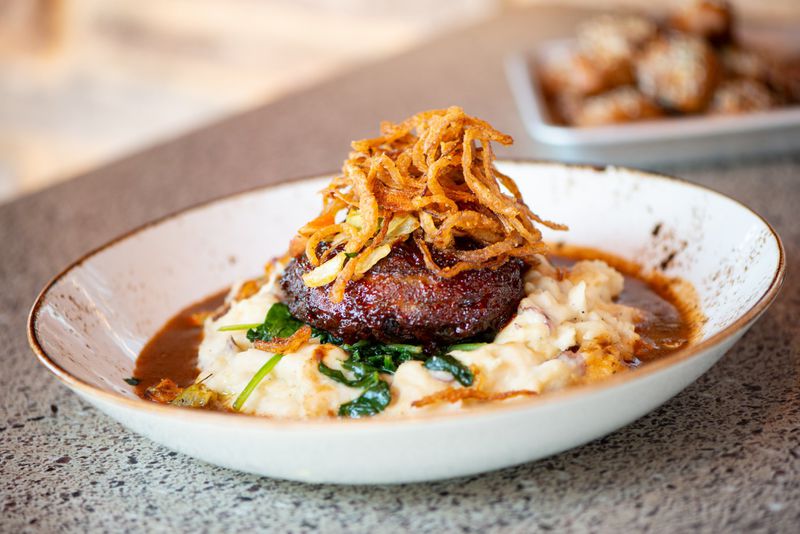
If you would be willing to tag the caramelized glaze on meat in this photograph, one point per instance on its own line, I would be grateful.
(401, 301)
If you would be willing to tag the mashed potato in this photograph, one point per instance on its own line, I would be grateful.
(567, 330)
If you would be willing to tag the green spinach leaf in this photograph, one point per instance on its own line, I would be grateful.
(445, 362)
(364, 376)
(386, 358)
(376, 395)
(374, 400)
(325, 337)
(278, 323)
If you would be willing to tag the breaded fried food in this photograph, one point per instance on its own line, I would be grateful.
(565, 107)
(784, 79)
(607, 47)
(577, 74)
(608, 39)
(628, 67)
(680, 72)
(741, 96)
(623, 104)
(708, 19)
(738, 62)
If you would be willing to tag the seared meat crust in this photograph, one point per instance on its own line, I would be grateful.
(400, 301)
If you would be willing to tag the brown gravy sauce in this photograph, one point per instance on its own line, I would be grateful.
(671, 320)
(671, 312)
(172, 352)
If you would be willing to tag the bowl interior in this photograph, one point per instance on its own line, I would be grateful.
(94, 318)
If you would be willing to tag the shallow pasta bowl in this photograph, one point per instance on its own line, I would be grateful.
(90, 322)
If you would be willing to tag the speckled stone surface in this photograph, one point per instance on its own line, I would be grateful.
(723, 456)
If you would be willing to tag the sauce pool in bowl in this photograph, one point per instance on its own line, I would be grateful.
(670, 321)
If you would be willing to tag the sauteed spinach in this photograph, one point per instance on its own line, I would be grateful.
(366, 362)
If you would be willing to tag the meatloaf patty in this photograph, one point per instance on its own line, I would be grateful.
(400, 301)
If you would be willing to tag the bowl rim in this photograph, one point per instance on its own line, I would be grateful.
(479, 412)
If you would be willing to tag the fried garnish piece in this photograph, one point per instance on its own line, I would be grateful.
(452, 395)
(285, 345)
(164, 392)
(433, 176)
(248, 289)
(296, 246)
(196, 396)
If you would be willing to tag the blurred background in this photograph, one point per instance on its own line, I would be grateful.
(83, 82)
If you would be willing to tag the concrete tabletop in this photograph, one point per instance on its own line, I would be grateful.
(724, 455)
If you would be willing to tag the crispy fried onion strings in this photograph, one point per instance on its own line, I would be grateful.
(285, 345)
(432, 177)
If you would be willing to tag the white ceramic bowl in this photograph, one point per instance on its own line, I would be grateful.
(90, 322)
